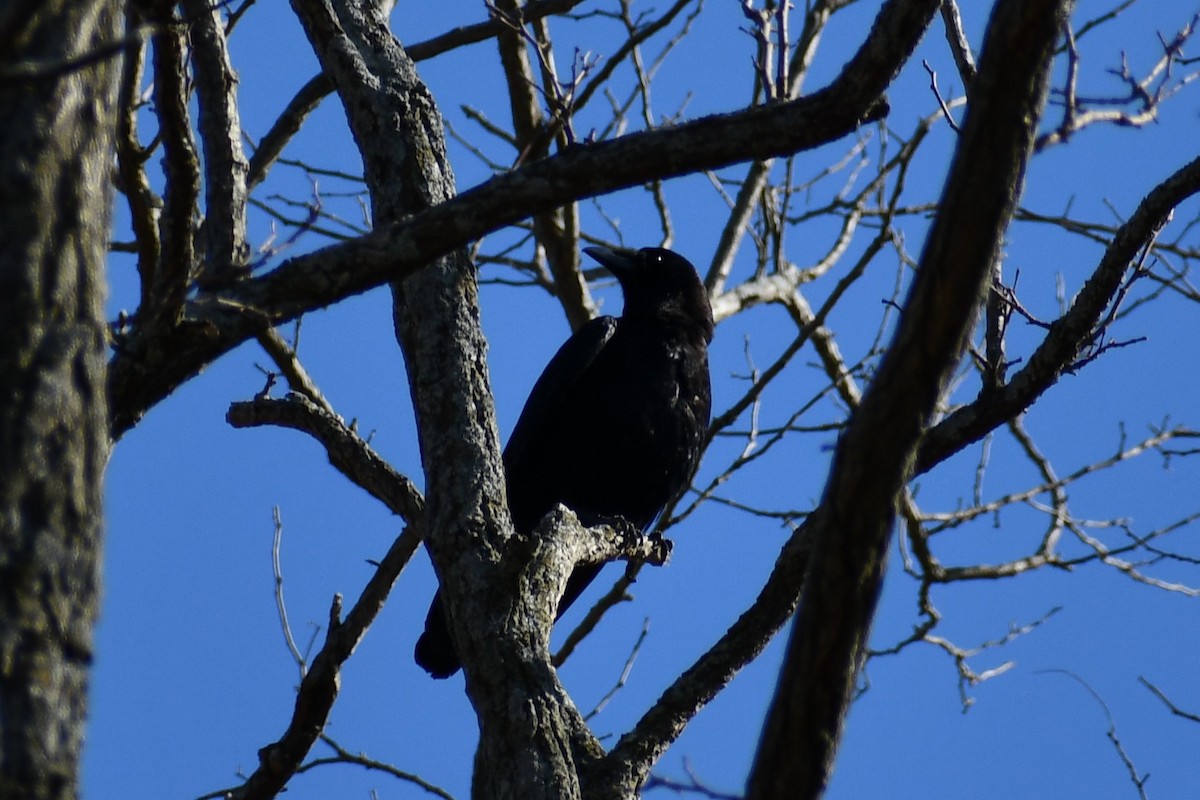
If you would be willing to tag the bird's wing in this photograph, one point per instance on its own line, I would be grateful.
(570, 362)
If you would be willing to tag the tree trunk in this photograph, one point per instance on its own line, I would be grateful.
(532, 739)
(58, 73)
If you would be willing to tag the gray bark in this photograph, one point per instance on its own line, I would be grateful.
(532, 739)
(57, 98)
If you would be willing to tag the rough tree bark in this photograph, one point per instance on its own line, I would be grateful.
(58, 68)
(532, 739)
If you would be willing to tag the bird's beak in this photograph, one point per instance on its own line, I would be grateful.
(619, 262)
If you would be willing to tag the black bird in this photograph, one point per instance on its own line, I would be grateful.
(614, 426)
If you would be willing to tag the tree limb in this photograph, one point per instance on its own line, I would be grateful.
(151, 363)
(1067, 335)
(874, 458)
(314, 699)
(347, 451)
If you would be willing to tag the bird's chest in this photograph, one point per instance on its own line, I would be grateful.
(653, 402)
(623, 437)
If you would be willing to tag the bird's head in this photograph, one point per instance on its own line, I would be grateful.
(658, 283)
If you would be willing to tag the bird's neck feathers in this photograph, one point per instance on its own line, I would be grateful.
(674, 319)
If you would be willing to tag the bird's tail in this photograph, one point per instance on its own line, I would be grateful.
(435, 652)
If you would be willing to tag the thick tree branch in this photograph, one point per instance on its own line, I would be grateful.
(960, 48)
(181, 168)
(225, 166)
(347, 451)
(150, 364)
(561, 542)
(874, 459)
(531, 736)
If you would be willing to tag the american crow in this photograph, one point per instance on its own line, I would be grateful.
(613, 427)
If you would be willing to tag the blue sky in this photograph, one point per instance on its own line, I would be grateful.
(192, 675)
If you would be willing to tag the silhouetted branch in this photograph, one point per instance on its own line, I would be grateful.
(1069, 334)
(344, 756)
(852, 525)
(352, 456)
(319, 688)
(1176, 710)
(1139, 781)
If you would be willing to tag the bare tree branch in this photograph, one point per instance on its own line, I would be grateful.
(142, 372)
(305, 101)
(347, 452)
(181, 167)
(225, 166)
(1069, 334)
(1139, 781)
(852, 525)
(314, 699)
(1176, 710)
